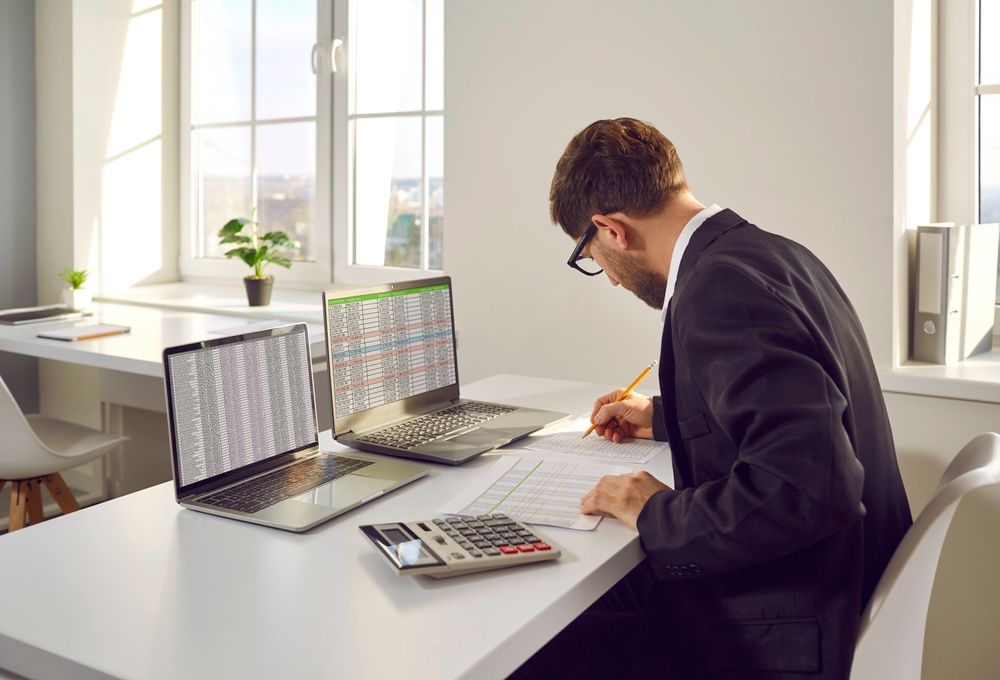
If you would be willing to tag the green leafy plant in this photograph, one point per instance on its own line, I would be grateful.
(74, 277)
(256, 249)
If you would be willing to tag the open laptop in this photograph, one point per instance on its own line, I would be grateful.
(243, 434)
(394, 377)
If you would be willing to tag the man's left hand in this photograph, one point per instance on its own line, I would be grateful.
(621, 496)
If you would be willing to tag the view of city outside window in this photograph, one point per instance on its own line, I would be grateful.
(396, 127)
(253, 118)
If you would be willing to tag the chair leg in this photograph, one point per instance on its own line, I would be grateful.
(18, 505)
(61, 493)
(35, 515)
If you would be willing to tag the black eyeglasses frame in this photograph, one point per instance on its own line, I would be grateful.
(575, 256)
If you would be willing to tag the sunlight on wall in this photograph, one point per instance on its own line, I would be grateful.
(132, 178)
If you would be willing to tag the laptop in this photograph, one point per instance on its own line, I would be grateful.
(394, 377)
(26, 315)
(244, 440)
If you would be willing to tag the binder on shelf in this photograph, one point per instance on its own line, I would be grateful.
(956, 277)
(937, 325)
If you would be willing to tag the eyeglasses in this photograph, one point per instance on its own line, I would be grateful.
(584, 265)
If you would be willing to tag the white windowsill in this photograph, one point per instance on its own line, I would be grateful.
(974, 379)
(228, 299)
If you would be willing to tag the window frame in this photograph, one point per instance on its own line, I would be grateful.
(213, 270)
(958, 45)
(345, 270)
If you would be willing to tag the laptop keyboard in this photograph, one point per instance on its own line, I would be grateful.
(263, 492)
(425, 429)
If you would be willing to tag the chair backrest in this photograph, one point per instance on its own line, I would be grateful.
(891, 635)
(20, 447)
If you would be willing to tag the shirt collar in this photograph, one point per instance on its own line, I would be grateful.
(680, 246)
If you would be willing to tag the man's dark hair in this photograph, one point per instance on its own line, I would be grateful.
(620, 165)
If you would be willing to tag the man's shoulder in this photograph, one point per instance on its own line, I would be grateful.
(752, 255)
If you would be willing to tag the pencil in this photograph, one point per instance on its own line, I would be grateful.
(102, 334)
(625, 393)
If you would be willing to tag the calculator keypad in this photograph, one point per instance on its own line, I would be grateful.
(490, 535)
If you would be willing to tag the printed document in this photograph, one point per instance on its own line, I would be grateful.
(534, 491)
(566, 438)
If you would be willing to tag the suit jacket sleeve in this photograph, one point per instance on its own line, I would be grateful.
(795, 479)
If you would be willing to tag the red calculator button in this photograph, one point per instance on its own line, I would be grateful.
(507, 549)
(525, 548)
(541, 546)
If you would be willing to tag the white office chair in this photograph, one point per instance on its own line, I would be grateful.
(34, 449)
(892, 628)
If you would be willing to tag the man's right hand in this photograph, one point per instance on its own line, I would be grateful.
(618, 420)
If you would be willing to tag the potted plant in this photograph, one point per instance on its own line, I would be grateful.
(75, 296)
(256, 250)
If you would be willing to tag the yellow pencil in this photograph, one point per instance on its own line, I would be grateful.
(628, 391)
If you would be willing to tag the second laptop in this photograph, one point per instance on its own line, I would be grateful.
(394, 377)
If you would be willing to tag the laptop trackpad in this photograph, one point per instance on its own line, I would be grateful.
(343, 492)
(479, 438)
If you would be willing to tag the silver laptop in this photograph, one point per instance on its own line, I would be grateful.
(394, 377)
(244, 440)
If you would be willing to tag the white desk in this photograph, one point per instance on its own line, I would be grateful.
(130, 375)
(137, 352)
(138, 588)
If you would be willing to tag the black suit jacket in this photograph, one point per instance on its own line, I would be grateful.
(788, 500)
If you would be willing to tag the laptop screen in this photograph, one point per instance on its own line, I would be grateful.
(241, 402)
(390, 345)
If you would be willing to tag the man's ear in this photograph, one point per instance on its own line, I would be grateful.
(613, 228)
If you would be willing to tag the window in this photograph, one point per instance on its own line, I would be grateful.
(988, 116)
(255, 127)
(988, 96)
(327, 117)
(393, 217)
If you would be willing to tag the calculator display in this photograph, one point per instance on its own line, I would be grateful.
(404, 549)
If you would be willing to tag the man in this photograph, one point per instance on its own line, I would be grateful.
(788, 501)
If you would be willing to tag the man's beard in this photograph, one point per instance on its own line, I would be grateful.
(646, 285)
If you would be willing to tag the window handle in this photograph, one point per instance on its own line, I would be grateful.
(313, 57)
(335, 48)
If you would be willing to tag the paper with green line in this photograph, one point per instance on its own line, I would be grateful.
(534, 491)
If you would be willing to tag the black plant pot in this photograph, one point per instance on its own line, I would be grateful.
(258, 290)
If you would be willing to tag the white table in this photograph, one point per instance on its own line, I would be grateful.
(139, 588)
(137, 352)
(129, 375)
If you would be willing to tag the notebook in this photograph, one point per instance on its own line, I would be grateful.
(244, 440)
(394, 377)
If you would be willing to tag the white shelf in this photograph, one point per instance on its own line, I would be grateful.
(975, 379)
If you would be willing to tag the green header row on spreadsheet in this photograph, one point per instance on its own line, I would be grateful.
(388, 293)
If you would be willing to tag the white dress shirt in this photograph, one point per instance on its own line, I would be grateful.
(680, 247)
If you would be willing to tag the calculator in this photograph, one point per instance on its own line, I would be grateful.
(464, 544)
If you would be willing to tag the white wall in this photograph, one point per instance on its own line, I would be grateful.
(17, 183)
(108, 74)
(54, 147)
(780, 110)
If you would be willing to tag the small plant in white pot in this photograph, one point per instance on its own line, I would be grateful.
(76, 297)
(256, 250)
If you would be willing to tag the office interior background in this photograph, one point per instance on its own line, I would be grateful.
(840, 125)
